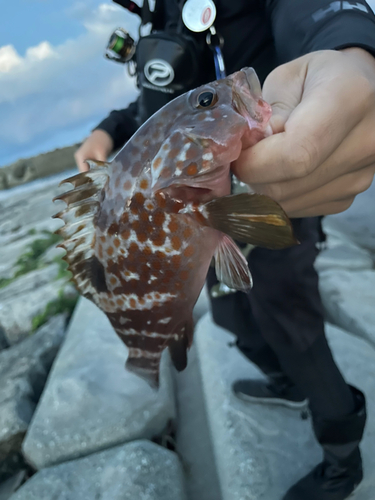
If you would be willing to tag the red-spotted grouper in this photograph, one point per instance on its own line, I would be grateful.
(140, 231)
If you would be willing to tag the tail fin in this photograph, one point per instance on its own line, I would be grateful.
(145, 365)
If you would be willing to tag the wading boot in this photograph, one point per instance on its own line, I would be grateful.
(340, 473)
(278, 390)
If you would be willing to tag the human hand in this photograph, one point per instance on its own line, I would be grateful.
(322, 153)
(97, 146)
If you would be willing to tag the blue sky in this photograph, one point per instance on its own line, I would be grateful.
(55, 84)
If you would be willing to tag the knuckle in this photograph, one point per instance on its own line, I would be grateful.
(304, 159)
(366, 92)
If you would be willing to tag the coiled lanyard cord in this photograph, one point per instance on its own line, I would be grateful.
(215, 41)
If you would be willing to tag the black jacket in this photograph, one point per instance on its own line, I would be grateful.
(266, 33)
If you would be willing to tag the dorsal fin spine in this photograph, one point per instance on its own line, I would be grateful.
(79, 230)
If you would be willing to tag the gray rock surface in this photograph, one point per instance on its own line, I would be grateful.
(23, 372)
(347, 267)
(135, 471)
(193, 442)
(349, 300)
(91, 402)
(10, 253)
(355, 225)
(17, 311)
(260, 450)
(29, 282)
(8, 487)
(27, 208)
(343, 256)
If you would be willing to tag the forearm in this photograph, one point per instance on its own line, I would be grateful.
(301, 27)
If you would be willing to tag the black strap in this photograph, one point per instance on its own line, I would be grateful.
(147, 15)
(130, 6)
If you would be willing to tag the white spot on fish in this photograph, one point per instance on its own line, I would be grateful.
(164, 321)
(182, 154)
(139, 353)
(130, 276)
(123, 320)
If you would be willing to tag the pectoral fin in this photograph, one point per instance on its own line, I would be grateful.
(231, 266)
(251, 218)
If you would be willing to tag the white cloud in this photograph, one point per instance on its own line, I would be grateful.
(40, 52)
(52, 89)
(8, 58)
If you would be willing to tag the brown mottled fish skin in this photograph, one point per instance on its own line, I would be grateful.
(141, 231)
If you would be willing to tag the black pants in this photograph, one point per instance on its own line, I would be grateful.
(279, 324)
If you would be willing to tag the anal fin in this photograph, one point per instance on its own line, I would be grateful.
(178, 347)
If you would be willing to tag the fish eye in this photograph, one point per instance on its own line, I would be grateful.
(206, 99)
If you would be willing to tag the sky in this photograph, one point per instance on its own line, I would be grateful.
(55, 84)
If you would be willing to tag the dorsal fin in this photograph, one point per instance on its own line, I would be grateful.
(79, 231)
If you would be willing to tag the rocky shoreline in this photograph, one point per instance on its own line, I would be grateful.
(36, 167)
(74, 423)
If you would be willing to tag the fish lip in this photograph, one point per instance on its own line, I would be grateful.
(246, 90)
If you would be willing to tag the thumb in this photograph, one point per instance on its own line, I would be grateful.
(283, 89)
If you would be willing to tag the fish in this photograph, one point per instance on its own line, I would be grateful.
(140, 231)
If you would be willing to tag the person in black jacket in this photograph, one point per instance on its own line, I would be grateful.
(317, 62)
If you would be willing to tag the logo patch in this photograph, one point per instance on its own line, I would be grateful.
(159, 72)
(206, 16)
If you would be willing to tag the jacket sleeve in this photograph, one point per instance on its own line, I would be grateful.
(121, 124)
(304, 26)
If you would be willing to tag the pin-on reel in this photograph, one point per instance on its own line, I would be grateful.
(121, 46)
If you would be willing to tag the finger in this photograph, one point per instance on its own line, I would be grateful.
(313, 131)
(345, 187)
(354, 154)
(82, 165)
(283, 90)
(334, 207)
(80, 162)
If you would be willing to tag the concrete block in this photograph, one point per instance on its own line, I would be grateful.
(91, 402)
(262, 450)
(135, 471)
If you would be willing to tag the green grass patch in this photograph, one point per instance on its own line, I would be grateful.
(5, 282)
(60, 305)
(32, 258)
(63, 269)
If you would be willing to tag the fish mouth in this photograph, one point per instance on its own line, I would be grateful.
(248, 102)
